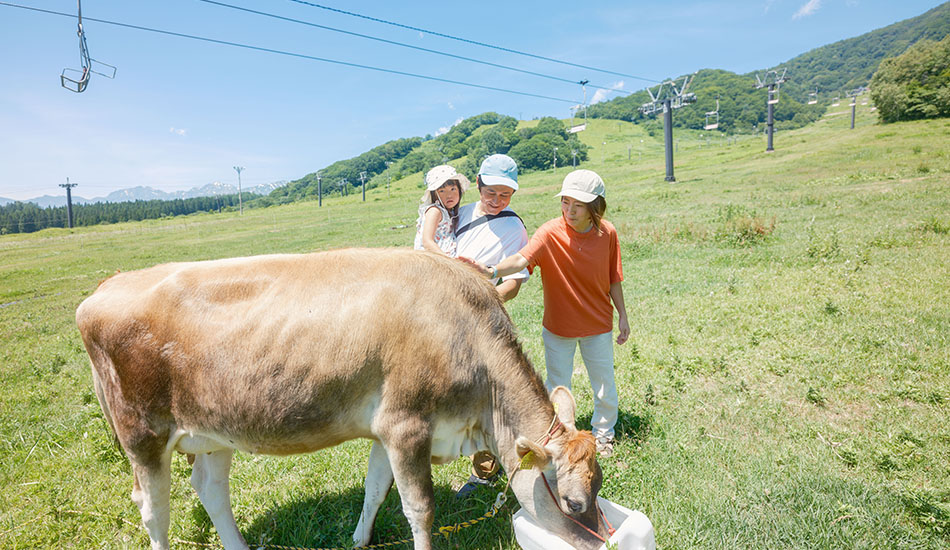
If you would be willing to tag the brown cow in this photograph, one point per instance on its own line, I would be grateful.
(294, 353)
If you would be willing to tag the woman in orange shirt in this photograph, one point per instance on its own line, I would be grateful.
(581, 273)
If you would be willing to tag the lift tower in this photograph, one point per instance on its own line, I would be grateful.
(69, 201)
(668, 96)
(773, 80)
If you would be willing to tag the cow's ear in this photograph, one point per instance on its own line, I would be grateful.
(531, 454)
(564, 405)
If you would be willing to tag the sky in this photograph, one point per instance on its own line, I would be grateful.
(183, 112)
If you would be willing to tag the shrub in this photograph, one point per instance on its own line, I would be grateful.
(740, 226)
(915, 84)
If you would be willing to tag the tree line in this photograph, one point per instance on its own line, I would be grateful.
(26, 217)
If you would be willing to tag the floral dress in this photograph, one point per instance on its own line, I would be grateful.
(444, 234)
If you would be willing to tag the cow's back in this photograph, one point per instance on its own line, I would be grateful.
(289, 353)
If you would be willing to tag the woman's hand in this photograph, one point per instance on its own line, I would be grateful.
(477, 266)
(624, 328)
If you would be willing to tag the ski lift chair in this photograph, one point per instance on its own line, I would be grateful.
(712, 118)
(86, 62)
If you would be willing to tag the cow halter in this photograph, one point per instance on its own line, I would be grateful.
(555, 424)
(610, 528)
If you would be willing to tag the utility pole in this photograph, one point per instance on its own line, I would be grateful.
(69, 201)
(854, 101)
(555, 160)
(573, 158)
(773, 81)
(240, 169)
(363, 184)
(583, 84)
(668, 138)
(342, 187)
(770, 126)
(668, 97)
(389, 183)
(319, 191)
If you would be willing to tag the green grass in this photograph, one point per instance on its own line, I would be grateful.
(785, 385)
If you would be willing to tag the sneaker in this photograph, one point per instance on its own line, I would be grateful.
(605, 446)
(473, 483)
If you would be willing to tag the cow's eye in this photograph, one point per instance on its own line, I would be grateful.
(574, 506)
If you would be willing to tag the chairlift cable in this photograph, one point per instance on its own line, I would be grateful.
(404, 45)
(468, 41)
(293, 54)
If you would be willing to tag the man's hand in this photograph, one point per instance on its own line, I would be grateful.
(477, 266)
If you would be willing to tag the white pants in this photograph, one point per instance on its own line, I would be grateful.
(598, 355)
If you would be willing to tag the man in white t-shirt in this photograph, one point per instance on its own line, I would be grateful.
(488, 230)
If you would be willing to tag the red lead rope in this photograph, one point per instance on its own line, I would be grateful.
(610, 528)
(555, 424)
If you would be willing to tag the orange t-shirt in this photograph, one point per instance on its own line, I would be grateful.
(577, 270)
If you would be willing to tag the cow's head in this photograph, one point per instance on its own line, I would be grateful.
(569, 464)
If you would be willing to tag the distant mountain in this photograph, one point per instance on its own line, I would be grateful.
(145, 193)
(51, 200)
(848, 64)
(833, 70)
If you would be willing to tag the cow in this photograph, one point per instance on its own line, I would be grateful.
(291, 353)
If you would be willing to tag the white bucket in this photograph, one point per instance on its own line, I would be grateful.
(633, 530)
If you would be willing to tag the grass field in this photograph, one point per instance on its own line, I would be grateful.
(785, 385)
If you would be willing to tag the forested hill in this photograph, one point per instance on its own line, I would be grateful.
(851, 63)
(833, 70)
(464, 145)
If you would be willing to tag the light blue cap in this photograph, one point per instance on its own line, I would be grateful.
(499, 170)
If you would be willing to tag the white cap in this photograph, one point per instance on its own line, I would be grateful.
(583, 185)
(499, 170)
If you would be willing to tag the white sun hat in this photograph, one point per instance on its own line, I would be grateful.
(583, 185)
(439, 176)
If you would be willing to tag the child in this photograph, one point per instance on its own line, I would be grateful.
(438, 214)
(581, 272)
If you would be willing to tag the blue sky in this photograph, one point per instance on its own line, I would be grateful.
(181, 113)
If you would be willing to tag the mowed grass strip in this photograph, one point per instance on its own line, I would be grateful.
(785, 385)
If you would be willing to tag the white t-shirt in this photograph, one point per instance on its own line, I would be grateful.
(492, 241)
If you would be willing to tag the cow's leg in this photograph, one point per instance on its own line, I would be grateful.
(410, 457)
(209, 477)
(379, 480)
(151, 493)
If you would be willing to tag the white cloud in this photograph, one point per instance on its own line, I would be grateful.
(601, 94)
(178, 131)
(445, 129)
(768, 5)
(452, 107)
(809, 8)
